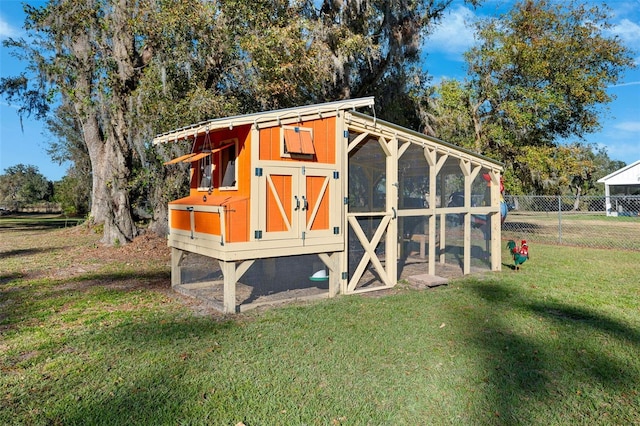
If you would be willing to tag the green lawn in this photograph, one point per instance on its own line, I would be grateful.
(556, 343)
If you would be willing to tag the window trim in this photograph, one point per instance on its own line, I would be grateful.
(230, 142)
(285, 153)
(216, 171)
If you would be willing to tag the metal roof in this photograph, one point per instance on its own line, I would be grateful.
(260, 117)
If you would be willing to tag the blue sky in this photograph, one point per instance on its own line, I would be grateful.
(620, 132)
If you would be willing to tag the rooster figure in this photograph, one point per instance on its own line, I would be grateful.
(519, 254)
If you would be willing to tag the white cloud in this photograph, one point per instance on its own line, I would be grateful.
(629, 126)
(629, 83)
(6, 29)
(628, 31)
(454, 34)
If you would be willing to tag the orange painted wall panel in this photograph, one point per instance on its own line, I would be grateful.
(243, 160)
(207, 222)
(236, 213)
(269, 143)
(314, 188)
(180, 220)
(275, 221)
(324, 141)
(237, 223)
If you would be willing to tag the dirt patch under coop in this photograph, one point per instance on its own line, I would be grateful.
(291, 279)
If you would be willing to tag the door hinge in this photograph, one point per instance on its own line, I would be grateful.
(257, 234)
(345, 275)
(336, 230)
(258, 171)
(303, 170)
(304, 234)
(345, 134)
(336, 174)
(346, 200)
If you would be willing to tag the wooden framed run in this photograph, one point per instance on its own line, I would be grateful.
(326, 180)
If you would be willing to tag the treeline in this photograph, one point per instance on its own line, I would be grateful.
(108, 75)
(24, 189)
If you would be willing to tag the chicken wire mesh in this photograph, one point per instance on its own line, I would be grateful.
(590, 221)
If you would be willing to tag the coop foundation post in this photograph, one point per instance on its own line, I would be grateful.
(177, 256)
(496, 230)
(229, 291)
(332, 262)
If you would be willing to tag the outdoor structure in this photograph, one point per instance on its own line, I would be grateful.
(344, 196)
(622, 191)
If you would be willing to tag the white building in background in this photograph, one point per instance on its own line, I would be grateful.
(622, 191)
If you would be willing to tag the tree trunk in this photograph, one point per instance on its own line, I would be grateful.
(576, 203)
(110, 159)
(110, 194)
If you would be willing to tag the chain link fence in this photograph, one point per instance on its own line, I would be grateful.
(590, 221)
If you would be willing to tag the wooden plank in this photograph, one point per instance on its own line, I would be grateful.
(370, 255)
(332, 262)
(177, 256)
(229, 292)
(357, 141)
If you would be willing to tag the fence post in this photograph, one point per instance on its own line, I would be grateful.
(559, 219)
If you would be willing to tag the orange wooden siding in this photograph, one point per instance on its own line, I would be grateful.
(237, 223)
(279, 196)
(236, 211)
(207, 222)
(324, 141)
(315, 195)
(243, 160)
(180, 220)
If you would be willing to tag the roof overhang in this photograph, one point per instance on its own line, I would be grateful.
(329, 109)
(623, 176)
(400, 132)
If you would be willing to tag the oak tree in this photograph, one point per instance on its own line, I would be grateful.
(538, 75)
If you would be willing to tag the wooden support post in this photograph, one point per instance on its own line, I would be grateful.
(431, 157)
(177, 256)
(496, 224)
(229, 290)
(470, 173)
(391, 239)
(332, 262)
(432, 244)
(231, 275)
(443, 237)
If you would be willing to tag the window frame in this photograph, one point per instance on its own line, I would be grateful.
(221, 173)
(284, 153)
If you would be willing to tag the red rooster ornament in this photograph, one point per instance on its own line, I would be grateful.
(519, 254)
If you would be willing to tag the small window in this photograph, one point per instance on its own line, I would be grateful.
(297, 141)
(228, 169)
(222, 158)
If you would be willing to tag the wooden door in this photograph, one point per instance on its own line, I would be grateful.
(300, 203)
(281, 204)
(320, 191)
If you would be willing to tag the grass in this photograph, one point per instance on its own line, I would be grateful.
(556, 343)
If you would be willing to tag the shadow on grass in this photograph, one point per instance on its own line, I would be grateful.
(39, 300)
(7, 278)
(529, 372)
(36, 222)
(144, 377)
(27, 252)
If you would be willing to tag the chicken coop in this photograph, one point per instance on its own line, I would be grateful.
(325, 199)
